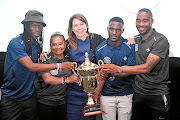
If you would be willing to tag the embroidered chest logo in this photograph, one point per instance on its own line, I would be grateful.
(107, 60)
(125, 58)
(147, 50)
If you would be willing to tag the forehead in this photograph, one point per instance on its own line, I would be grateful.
(143, 15)
(35, 23)
(115, 24)
(76, 21)
(57, 38)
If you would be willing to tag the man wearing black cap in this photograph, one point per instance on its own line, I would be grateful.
(18, 91)
(117, 90)
(151, 99)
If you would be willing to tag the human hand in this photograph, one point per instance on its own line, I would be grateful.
(102, 75)
(131, 41)
(95, 97)
(72, 78)
(110, 68)
(43, 57)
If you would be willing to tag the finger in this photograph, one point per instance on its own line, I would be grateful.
(44, 59)
(45, 55)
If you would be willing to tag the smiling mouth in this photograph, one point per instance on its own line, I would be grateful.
(58, 50)
(79, 32)
(141, 28)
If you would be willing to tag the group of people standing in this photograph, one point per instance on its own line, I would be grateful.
(132, 82)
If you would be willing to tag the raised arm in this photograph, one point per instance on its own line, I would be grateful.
(36, 67)
(151, 62)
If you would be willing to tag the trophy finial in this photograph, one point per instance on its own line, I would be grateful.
(86, 54)
(87, 62)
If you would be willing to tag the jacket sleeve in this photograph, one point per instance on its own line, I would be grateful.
(67, 50)
(96, 40)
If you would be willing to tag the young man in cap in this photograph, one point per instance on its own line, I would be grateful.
(18, 91)
(151, 99)
(116, 96)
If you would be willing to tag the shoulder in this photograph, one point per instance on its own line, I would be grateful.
(160, 37)
(137, 38)
(16, 41)
(49, 59)
(101, 46)
(97, 37)
(131, 46)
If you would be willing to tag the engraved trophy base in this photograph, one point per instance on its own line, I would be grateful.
(89, 110)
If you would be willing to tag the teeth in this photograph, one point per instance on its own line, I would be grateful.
(141, 28)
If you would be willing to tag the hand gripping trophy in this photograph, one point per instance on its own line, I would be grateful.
(88, 73)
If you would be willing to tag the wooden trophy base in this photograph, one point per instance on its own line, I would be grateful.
(89, 110)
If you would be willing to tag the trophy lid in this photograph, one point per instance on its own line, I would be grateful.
(87, 64)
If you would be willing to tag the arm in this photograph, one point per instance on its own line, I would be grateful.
(36, 67)
(98, 89)
(112, 68)
(101, 80)
(151, 62)
(49, 79)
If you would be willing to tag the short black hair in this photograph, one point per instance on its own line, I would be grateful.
(146, 10)
(56, 34)
(117, 19)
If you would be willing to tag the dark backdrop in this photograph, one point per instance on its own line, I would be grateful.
(174, 86)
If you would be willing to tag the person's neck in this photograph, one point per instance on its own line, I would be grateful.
(144, 37)
(115, 43)
(83, 38)
(61, 56)
(33, 40)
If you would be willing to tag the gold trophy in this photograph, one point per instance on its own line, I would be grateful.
(88, 73)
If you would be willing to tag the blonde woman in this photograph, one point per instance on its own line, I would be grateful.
(80, 41)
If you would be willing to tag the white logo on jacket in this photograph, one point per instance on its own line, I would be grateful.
(107, 60)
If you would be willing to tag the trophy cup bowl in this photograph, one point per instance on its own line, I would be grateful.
(88, 74)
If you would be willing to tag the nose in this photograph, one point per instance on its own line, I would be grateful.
(58, 46)
(38, 28)
(114, 31)
(79, 27)
(141, 23)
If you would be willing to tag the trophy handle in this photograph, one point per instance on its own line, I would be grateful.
(75, 68)
(100, 61)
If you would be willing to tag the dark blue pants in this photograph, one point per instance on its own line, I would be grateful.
(74, 113)
(19, 110)
(150, 107)
(47, 112)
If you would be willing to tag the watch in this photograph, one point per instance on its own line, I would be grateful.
(120, 70)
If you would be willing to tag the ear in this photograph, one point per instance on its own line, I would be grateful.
(122, 31)
(152, 21)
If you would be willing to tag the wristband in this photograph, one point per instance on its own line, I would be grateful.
(55, 66)
(60, 67)
(62, 80)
